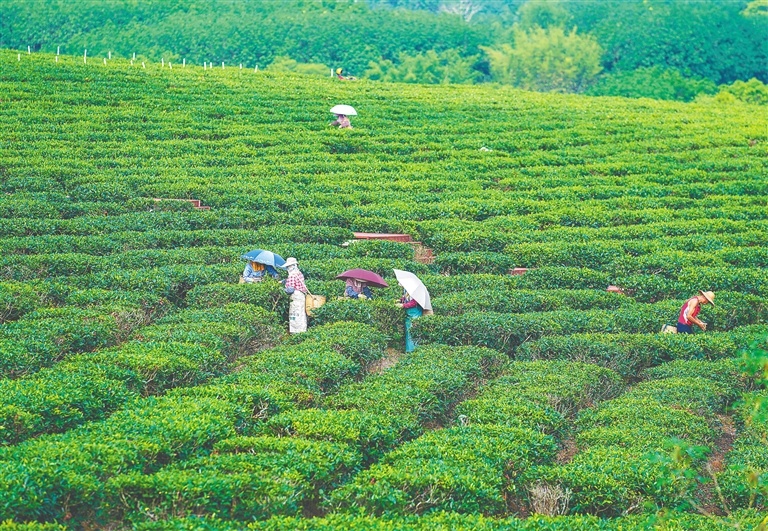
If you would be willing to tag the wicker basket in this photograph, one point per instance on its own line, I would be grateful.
(313, 302)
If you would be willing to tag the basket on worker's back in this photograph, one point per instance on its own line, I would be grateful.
(313, 302)
(668, 329)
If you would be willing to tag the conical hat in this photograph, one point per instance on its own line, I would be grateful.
(710, 296)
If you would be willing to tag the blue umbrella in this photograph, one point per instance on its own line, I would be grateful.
(264, 257)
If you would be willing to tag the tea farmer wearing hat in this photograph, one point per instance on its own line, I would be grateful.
(297, 289)
(691, 309)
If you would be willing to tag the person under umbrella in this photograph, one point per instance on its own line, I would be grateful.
(297, 289)
(357, 289)
(342, 113)
(415, 301)
(254, 272)
(359, 283)
(261, 263)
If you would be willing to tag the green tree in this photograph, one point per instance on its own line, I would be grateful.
(752, 91)
(655, 82)
(429, 68)
(342, 33)
(542, 14)
(700, 38)
(286, 64)
(546, 60)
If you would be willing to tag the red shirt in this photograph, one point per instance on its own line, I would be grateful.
(694, 313)
(410, 304)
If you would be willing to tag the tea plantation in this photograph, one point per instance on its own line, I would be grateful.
(142, 387)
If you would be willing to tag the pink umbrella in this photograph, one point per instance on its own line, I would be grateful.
(366, 276)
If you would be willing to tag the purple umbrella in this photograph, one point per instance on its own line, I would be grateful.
(366, 276)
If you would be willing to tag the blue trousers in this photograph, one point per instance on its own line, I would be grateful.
(410, 315)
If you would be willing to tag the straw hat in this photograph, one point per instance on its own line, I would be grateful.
(291, 261)
(710, 296)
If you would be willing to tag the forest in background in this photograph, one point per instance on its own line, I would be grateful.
(664, 49)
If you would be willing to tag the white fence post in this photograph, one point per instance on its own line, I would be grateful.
(85, 56)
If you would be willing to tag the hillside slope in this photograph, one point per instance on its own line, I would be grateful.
(142, 386)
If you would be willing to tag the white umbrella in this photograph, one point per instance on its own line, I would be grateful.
(415, 288)
(346, 110)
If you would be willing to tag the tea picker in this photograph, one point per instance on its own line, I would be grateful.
(415, 302)
(342, 77)
(342, 113)
(297, 289)
(359, 282)
(260, 263)
(690, 311)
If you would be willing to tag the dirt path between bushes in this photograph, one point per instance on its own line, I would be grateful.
(707, 496)
(389, 360)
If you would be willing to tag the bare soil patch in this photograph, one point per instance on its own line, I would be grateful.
(389, 360)
(710, 504)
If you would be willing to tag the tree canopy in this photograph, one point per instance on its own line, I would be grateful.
(560, 45)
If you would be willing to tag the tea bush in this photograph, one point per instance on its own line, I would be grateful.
(506, 332)
(45, 336)
(17, 299)
(138, 362)
(504, 300)
(460, 468)
(382, 314)
(744, 482)
(623, 445)
(422, 386)
(475, 467)
(357, 341)
(156, 431)
(629, 354)
(245, 478)
(449, 521)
